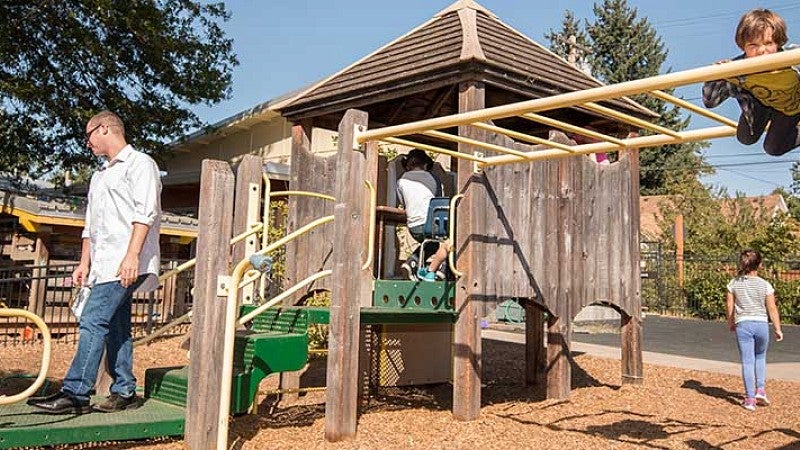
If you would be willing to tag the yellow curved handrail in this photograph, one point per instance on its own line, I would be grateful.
(279, 298)
(373, 206)
(230, 325)
(452, 232)
(10, 312)
(256, 228)
(301, 194)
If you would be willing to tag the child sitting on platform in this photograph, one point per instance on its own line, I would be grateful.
(772, 97)
(415, 189)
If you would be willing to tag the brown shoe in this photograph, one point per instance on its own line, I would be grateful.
(116, 402)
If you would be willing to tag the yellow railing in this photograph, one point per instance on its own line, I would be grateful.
(451, 260)
(46, 349)
(373, 207)
(231, 312)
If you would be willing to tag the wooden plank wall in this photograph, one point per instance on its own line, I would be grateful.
(563, 230)
(313, 252)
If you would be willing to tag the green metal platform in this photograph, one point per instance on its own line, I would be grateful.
(22, 426)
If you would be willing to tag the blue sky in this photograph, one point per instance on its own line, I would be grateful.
(284, 45)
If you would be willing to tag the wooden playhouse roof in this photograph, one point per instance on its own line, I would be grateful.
(462, 42)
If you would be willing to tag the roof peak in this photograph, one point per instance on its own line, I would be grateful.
(465, 4)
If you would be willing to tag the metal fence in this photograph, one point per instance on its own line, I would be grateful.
(47, 291)
(700, 291)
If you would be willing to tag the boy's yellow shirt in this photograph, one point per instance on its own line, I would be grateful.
(779, 89)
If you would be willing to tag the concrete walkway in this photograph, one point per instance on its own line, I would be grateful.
(683, 343)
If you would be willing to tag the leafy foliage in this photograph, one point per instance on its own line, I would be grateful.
(704, 288)
(62, 62)
(705, 282)
(626, 47)
(719, 226)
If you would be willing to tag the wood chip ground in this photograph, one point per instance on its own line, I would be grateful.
(674, 409)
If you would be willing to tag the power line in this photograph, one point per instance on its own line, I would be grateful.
(745, 175)
(718, 16)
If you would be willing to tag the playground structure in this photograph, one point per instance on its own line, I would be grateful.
(536, 223)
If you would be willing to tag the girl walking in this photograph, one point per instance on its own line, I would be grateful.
(750, 301)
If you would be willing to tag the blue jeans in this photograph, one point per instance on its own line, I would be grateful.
(105, 322)
(753, 340)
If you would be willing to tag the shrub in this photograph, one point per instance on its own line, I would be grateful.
(704, 288)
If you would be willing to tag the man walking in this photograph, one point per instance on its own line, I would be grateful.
(120, 254)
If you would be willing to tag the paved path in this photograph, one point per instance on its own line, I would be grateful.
(685, 343)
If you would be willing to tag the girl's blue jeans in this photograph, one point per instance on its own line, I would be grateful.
(753, 340)
(105, 322)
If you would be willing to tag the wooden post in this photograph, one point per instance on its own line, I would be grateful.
(535, 353)
(631, 335)
(558, 369)
(349, 252)
(213, 259)
(246, 212)
(296, 267)
(38, 292)
(679, 248)
(631, 321)
(301, 144)
(467, 364)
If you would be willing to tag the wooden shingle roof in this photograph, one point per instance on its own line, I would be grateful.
(463, 41)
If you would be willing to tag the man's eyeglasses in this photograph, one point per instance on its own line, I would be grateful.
(89, 133)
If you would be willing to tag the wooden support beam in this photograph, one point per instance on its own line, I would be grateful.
(41, 257)
(631, 335)
(296, 267)
(559, 372)
(246, 212)
(632, 367)
(535, 352)
(467, 362)
(347, 292)
(208, 318)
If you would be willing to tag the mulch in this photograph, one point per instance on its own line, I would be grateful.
(673, 409)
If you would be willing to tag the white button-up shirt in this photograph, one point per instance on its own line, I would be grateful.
(124, 191)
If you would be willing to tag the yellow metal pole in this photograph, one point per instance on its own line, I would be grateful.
(693, 108)
(521, 136)
(638, 142)
(538, 118)
(731, 69)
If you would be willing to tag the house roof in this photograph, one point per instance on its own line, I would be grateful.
(34, 209)
(463, 38)
(650, 210)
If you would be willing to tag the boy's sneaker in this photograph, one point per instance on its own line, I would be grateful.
(749, 404)
(426, 275)
(116, 402)
(408, 270)
(761, 397)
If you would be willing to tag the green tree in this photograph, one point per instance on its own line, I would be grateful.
(626, 47)
(62, 62)
(561, 41)
(793, 195)
(719, 226)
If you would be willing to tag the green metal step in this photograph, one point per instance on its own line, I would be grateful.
(22, 426)
(256, 355)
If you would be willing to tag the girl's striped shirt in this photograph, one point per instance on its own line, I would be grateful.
(750, 295)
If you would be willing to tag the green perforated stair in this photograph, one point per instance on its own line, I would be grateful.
(276, 342)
